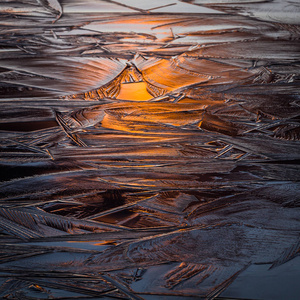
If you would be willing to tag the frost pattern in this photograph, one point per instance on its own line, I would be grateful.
(147, 151)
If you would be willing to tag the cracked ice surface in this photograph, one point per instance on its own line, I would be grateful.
(149, 149)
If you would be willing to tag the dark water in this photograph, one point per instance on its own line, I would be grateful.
(149, 150)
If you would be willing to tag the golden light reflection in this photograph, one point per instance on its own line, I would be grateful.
(136, 91)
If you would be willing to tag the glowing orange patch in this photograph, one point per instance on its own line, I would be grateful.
(135, 91)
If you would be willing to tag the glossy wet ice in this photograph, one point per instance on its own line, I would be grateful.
(149, 150)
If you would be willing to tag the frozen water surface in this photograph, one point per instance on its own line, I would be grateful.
(149, 149)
